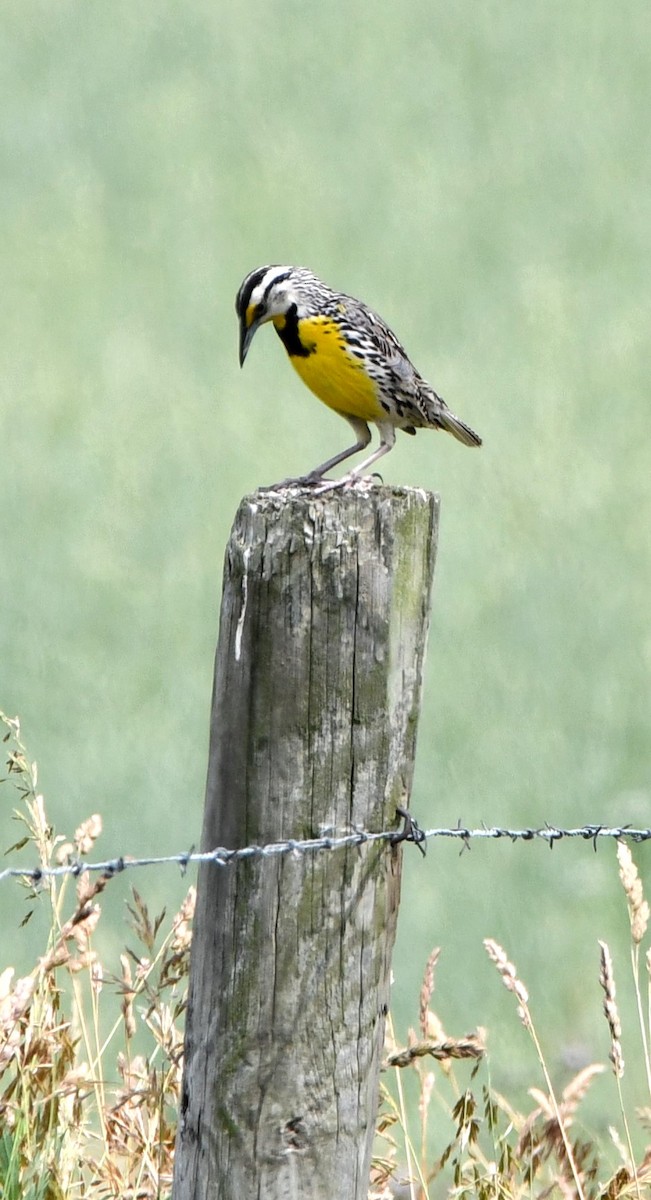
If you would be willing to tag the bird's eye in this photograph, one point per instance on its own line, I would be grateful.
(258, 312)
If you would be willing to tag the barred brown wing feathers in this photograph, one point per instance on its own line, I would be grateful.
(387, 361)
(385, 351)
(382, 336)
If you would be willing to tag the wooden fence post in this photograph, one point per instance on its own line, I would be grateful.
(317, 689)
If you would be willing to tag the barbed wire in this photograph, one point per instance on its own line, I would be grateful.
(411, 832)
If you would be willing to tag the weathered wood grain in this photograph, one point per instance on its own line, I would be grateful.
(317, 688)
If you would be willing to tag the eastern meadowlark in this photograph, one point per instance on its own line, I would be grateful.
(349, 358)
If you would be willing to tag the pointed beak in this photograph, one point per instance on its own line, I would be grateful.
(246, 337)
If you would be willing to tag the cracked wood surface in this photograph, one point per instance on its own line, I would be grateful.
(323, 628)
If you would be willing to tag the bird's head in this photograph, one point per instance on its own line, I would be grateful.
(270, 292)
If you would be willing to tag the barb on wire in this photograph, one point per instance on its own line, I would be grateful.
(223, 857)
(410, 832)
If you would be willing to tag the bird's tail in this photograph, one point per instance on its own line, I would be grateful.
(458, 428)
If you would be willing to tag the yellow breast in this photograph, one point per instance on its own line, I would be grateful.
(331, 372)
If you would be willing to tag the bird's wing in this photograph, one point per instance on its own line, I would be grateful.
(414, 398)
(378, 339)
(376, 336)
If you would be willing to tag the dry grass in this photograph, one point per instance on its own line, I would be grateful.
(492, 1151)
(89, 1109)
(82, 1113)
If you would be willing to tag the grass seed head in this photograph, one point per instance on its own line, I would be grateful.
(427, 989)
(611, 1011)
(510, 979)
(638, 909)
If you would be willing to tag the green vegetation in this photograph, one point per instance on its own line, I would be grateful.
(479, 173)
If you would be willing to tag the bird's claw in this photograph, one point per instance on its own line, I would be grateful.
(318, 485)
(299, 481)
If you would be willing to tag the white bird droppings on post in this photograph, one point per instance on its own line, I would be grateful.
(245, 596)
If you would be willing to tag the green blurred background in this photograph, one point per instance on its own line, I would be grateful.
(480, 174)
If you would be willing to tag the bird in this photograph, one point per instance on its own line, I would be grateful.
(348, 357)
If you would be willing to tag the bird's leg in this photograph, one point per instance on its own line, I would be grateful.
(363, 438)
(388, 436)
(316, 476)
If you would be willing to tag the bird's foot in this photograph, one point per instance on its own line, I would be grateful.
(298, 482)
(319, 486)
(352, 478)
(329, 485)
